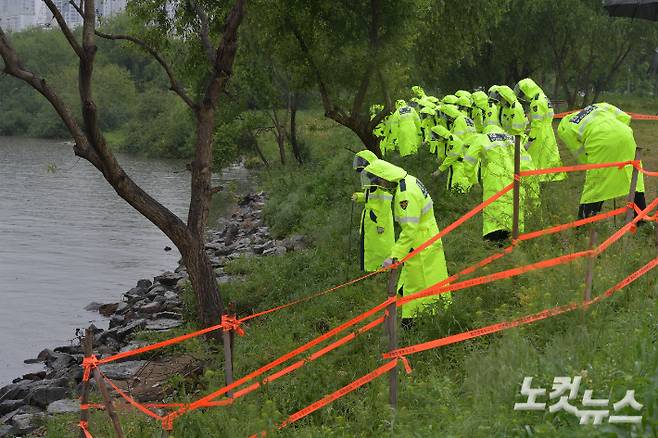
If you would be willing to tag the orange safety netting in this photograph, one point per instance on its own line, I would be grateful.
(229, 323)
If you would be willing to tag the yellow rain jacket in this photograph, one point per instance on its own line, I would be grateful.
(495, 152)
(413, 210)
(376, 228)
(600, 133)
(541, 145)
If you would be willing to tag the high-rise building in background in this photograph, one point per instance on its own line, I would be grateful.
(17, 15)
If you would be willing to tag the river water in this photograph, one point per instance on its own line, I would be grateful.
(67, 239)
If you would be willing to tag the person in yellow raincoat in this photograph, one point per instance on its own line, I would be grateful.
(512, 117)
(495, 153)
(462, 128)
(404, 127)
(600, 133)
(541, 144)
(414, 211)
(491, 117)
(480, 109)
(376, 228)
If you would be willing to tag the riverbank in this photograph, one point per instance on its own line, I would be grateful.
(464, 389)
(151, 306)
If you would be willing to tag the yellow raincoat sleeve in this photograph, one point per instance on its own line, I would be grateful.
(568, 133)
(455, 151)
(407, 214)
(471, 157)
(519, 121)
(616, 112)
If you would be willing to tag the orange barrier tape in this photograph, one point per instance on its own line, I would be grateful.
(201, 402)
(88, 363)
(437, 343)
(340, 393)
(131, 400)
(437, 290)
(579, 167)
(84, 425)
(637, 116)
(626, 228)
(575, 224)
(158, 345)
(231, 323)
(301, 300)
(455, 224)
(634, 116)
(290, 368)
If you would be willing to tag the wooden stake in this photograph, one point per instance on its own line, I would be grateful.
(631, 192)
(589, 273)
(228, 359)
(109, 407)
(517, 187)
(391, 330)
(84, 397)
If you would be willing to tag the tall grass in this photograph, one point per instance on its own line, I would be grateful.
(463, 390)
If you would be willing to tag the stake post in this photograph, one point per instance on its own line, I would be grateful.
(391, 330)
(517, 187)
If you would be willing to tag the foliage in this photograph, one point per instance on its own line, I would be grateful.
(465, 389)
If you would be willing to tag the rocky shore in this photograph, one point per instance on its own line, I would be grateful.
(154, 305)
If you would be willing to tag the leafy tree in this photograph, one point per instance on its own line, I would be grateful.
(213, 65)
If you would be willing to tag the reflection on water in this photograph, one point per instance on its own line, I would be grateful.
(67, 239)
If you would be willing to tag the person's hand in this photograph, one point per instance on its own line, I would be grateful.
(436, 172)
(355, 196)
(388, 262)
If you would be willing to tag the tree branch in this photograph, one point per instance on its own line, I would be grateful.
(204, 32)
(66, 30)
(174, 84)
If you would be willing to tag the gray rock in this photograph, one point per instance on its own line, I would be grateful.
(167, 315)
(39, 375)
(7, 406)
(150, 308)
(122, 370)
(171, 296)
(277, 250)
(135, 294)
(22, 410)
(224, 279)
(64, 406)
(122, 308)
(168, 278)
(180, 284)
(45, 395)
(93, 306)
(6, 430)
(156, 289)
(144, 283)
(24, 423)
(69, 349)
(130, 328)
(163, 324)
(116, 321)
(15, 391)
(108, 309)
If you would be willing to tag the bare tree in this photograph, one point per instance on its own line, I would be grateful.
(90, 144)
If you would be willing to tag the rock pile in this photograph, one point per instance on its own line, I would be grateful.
(150, 305)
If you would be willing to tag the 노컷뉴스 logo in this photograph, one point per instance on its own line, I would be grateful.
(592, 410)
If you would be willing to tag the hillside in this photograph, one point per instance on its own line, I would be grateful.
(466, 389)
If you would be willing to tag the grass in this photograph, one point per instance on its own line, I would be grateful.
(462, 390)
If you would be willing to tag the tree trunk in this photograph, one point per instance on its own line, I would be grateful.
(197, 262)
(202, 278)
(292, 99)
